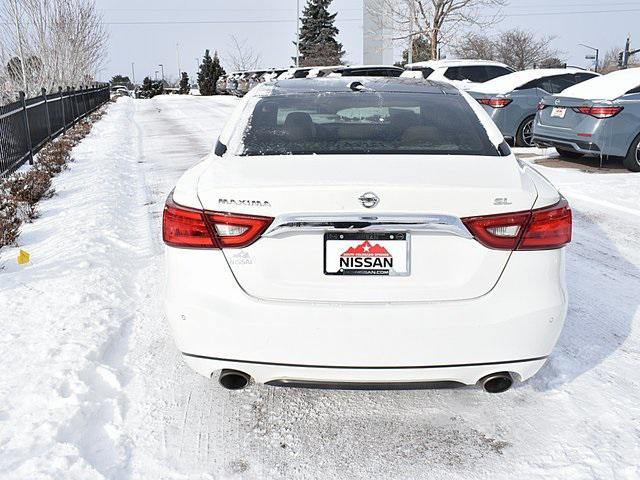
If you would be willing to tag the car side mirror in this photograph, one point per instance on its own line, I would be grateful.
(220, 149)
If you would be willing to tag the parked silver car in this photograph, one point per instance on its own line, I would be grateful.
(221, 85)
(511, 100)
(599, 117)
(232, 83)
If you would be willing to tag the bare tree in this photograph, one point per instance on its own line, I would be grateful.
(475, 45)
(438, 20)
(609, 62)
(521, 49)
(63, 42)
(241, 56)
(518, 48)
(552, 62)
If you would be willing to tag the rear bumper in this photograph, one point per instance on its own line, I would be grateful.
(511, 328)
(365, 378)
(588, 148)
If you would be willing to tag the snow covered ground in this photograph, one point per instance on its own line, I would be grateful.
(92, 387)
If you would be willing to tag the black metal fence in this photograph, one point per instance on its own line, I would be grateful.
(28, 124)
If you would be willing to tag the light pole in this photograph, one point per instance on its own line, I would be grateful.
(595, 50)
(156, 75)
(162, 68)
(297, 33)
(412, 14)
(178, 57)
(133, 73)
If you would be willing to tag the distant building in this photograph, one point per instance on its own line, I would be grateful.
(377, 30)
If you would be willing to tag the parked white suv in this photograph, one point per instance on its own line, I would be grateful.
(462, 73)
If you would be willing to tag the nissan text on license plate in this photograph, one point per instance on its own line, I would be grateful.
(558, 112)
(371, 253)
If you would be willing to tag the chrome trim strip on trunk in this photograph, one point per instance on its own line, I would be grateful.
(425, 223)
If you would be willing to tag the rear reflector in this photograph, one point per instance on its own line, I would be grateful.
(495, 102)
(541, 229)
(194, 228)
(599, 112)
(236, 231)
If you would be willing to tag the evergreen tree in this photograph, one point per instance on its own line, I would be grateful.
(421, 51)
(184, 84)
(318, 44)
(210, 71)
(151, 88)
(121, 80)
(217, 69)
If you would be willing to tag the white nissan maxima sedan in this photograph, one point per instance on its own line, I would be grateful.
(364, 233)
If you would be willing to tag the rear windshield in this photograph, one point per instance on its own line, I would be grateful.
(362, 122)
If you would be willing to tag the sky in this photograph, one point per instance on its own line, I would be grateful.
(175, 34)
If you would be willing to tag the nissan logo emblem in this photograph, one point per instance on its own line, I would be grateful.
(369, 200)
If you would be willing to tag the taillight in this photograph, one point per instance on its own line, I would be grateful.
(495, 102)
(185, 227)
(541, 229)
(548, 228)
(194, 228)
(599, 112)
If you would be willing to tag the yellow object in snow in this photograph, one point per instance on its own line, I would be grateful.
(23, 257)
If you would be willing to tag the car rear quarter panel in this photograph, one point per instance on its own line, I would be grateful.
(524, 104)
(186, 190)
(623, 128)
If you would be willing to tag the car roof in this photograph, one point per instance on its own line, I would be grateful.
(606, 87)
(454, 63)
(344, 84)
(511, 81)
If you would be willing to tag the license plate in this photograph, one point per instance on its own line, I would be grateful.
(371, 253)
(558, 112)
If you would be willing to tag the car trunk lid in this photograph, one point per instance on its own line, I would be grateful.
(559, 112)
(420, 197)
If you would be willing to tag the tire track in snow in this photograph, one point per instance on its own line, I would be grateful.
(168, 432)
(108, 374)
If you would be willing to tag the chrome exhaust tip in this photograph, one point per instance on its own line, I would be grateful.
(233, 379)
(497, 382)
